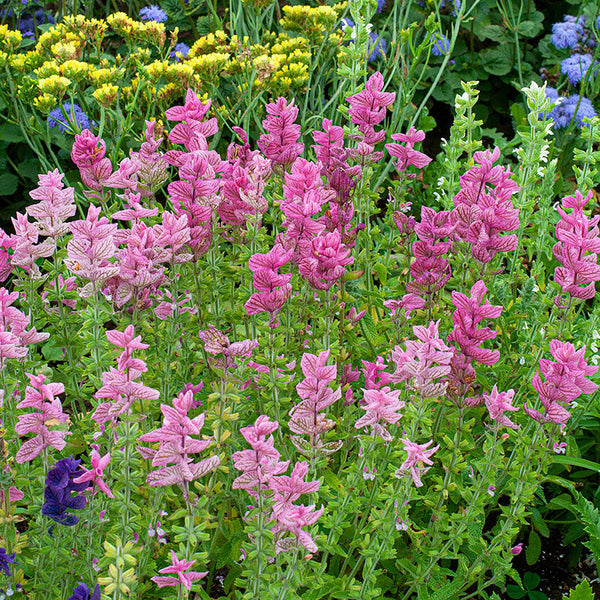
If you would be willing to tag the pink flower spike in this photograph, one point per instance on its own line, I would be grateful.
(179, 567)
(498, 403)
(95, 474)
(417, 453)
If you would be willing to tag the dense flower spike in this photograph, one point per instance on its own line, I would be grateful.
(90, 249)
(380, 405)
(26, 247)
(58, 495)
(482, 212)
(325, 260)
(368, 107)
(119, 384)
(177, 444)
(280, 143)
(262, 463)
(218, 344)
(43, 397)
(423, 362)
(88, 154)
(468, 337)
(83, 592)
(577, 248)
(566, 379)
(306, 417)
(56, 204)
(181, 570)
(6, 560)
(273, 288)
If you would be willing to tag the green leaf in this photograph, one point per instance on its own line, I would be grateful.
(8, 184)
(497, 61)
(582, 592)
(534, 548)
(529, 29)
(514, 591)
(535, 595)
(369, 330)
(531, 580)
(575, 461)
(381, 271)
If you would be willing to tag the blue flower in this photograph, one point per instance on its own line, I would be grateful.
(441, 45)
(566, 35)
(153, 13)
(59, 487)
(5, 560)
(376, 46)
(380, 5)
(82, 592)
(576, 66)
(567, 110)
(78, 120)
(180, 48)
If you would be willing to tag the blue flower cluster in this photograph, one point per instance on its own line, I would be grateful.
(441, 45)
(82, 592)
(568, 33)
(380, 5)
(569, 109)
(77, 119)
(376, 46)
(27, 22)
(153, 13)
(180, 48)
(59, 489)
(576, 66)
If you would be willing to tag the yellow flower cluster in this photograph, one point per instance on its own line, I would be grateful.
(309, 21)
(10, 40)
(134, 31)
(106, 94)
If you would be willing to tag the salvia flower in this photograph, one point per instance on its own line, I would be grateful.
(58, 495)
(83, 592)
(418, 456)
(368, 108)
(566, 379)
(280, 143)
(43, 397)
(380, 405)
(96, 473)
(426, 359)
(406, 154)
(498, 403)
(577, 248)
(181, 571)
(177, 445)
(218, 344)
(6, 560)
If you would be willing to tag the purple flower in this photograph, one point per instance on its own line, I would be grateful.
(376, 46)
(76, 119)
(566, 34)
(517, 549)
(380, 5)
(82, 592)
(58, 493)
(5, 560)
(153, 13)
(180, 48)
(441, 44)
(576, 67)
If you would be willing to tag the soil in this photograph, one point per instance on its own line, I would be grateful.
(557, 576)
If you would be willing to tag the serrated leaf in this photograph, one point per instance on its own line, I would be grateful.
(582, 592)
(367, 324)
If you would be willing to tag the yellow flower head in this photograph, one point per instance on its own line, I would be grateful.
(99, 77)
(10, 40)
(45, 103)
(154, 33)
(106, 95)
(48, 69)
(92, 29)
(54, 85)
(64, 51)
(74, 69)
(213, 42)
